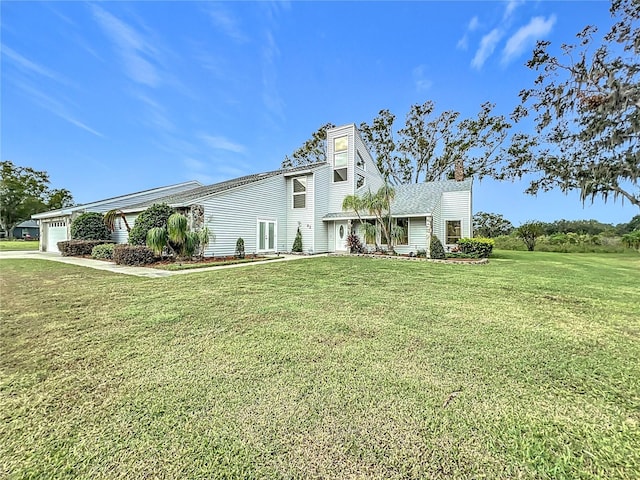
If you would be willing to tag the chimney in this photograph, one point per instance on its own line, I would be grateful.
(458, 172)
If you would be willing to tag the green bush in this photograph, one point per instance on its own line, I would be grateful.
(103, 252)
(437, 250)
(78, 248)
(297, 243)
(476, 247)
(90, 226)
(240, 248)
(132, 255)
(154, 216)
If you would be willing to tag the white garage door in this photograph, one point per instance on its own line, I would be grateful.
(56, 232)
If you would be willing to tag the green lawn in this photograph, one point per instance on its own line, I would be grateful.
(528, 367)
(7, 245)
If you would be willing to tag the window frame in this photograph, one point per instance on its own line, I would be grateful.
(343, 155)
(446, 231)
(294, 194)
(406, 232)
(364, 180)
(360, 162)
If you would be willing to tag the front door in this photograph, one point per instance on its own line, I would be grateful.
(341, 236)
(266, 235)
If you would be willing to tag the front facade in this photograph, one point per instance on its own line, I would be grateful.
(266, 210)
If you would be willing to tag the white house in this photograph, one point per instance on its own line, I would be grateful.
(267, 209)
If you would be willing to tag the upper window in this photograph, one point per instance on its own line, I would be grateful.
(453, 229)
(359, 180)
(300, 192)
(340, 152)
(402, 231)
(360, 163)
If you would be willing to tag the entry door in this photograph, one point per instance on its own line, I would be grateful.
(266, 235)
(341, 236)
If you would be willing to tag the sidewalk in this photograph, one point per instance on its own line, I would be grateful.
(135, 271)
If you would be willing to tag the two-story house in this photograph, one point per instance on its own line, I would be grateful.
(267, 209)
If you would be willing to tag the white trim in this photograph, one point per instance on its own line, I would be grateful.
(267, 220)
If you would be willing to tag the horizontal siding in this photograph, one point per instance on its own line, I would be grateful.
(455, 206)
(120, 234)
(322, 182)
(339, 190)
(234, 213)
(417, 236)
(373, 177)
(300, 217)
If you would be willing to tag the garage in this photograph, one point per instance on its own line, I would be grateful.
(56, 232)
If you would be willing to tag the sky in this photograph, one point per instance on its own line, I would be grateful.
(115, 97)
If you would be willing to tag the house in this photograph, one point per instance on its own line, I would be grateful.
(29, 229)
(267, 209)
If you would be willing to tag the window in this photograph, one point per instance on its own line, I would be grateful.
(453, 230)
(300, 192)
(402, 231)
(340, 152)
(360, 163)
(359, 180)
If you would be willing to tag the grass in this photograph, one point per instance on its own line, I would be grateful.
(10, 245)
(190, 266)
(324, 368)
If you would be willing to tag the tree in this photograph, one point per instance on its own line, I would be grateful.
(379, 205)
(297, 242)
(110, 219)
(89, 226)
(586, 107)
(491, 225)
(25, 192)
(312, 151)
(176, 236)
(529, 233)
(154, 216)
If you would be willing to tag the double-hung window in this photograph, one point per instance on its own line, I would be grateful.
(340, 157)
(453, 230)
(300, 192)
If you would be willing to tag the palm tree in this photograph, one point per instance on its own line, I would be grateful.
(377, 204)
(110, 219)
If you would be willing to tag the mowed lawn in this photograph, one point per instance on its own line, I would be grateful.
(528, 367)
(11, 245)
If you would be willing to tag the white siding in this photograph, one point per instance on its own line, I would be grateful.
(300, 217)
(234, 213)
(455, 206)
(339, 190)
(322, 182)
(120, 234)
(373, 177)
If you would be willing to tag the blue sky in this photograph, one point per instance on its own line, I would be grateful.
(116, 97)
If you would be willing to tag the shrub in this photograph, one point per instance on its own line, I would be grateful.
(132, 255)
(78, 248)
(90, 226)
(154, 216)
(240, 248)
(421, 253)
(529, 233)
(354, 243)
(437, 250)
(476, 247)
(103, 252)
(297, 243)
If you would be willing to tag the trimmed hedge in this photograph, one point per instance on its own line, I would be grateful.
(89, 226)
(103, 252)
(79, 248)
(132, 255)
(478, 247)
(437, 250)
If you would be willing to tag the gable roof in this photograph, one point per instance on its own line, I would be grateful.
(416, 199)
(122, 201)
(28, 224)
(188, 197)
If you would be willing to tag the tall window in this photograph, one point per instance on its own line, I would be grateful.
(453, 230)
(402, 232)
(300, 192)
(360, 163)
(340, 146)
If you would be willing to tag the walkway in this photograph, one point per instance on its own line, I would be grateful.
(135, 271)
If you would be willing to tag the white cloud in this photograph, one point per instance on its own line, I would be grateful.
(473, 25)
(31, 67)
(270, 95)
(487, 46)
(420, 80)
(222, 143)
(193, 164)
(137, 54)
(511, 7)
(223, 20)
(526, 36)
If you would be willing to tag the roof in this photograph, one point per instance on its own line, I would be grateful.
(28, 224)
(188, 197)
(122, 201)
(416, 199)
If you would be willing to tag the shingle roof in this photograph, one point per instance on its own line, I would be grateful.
(28, 224)
(185, 198)
(416, 198)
